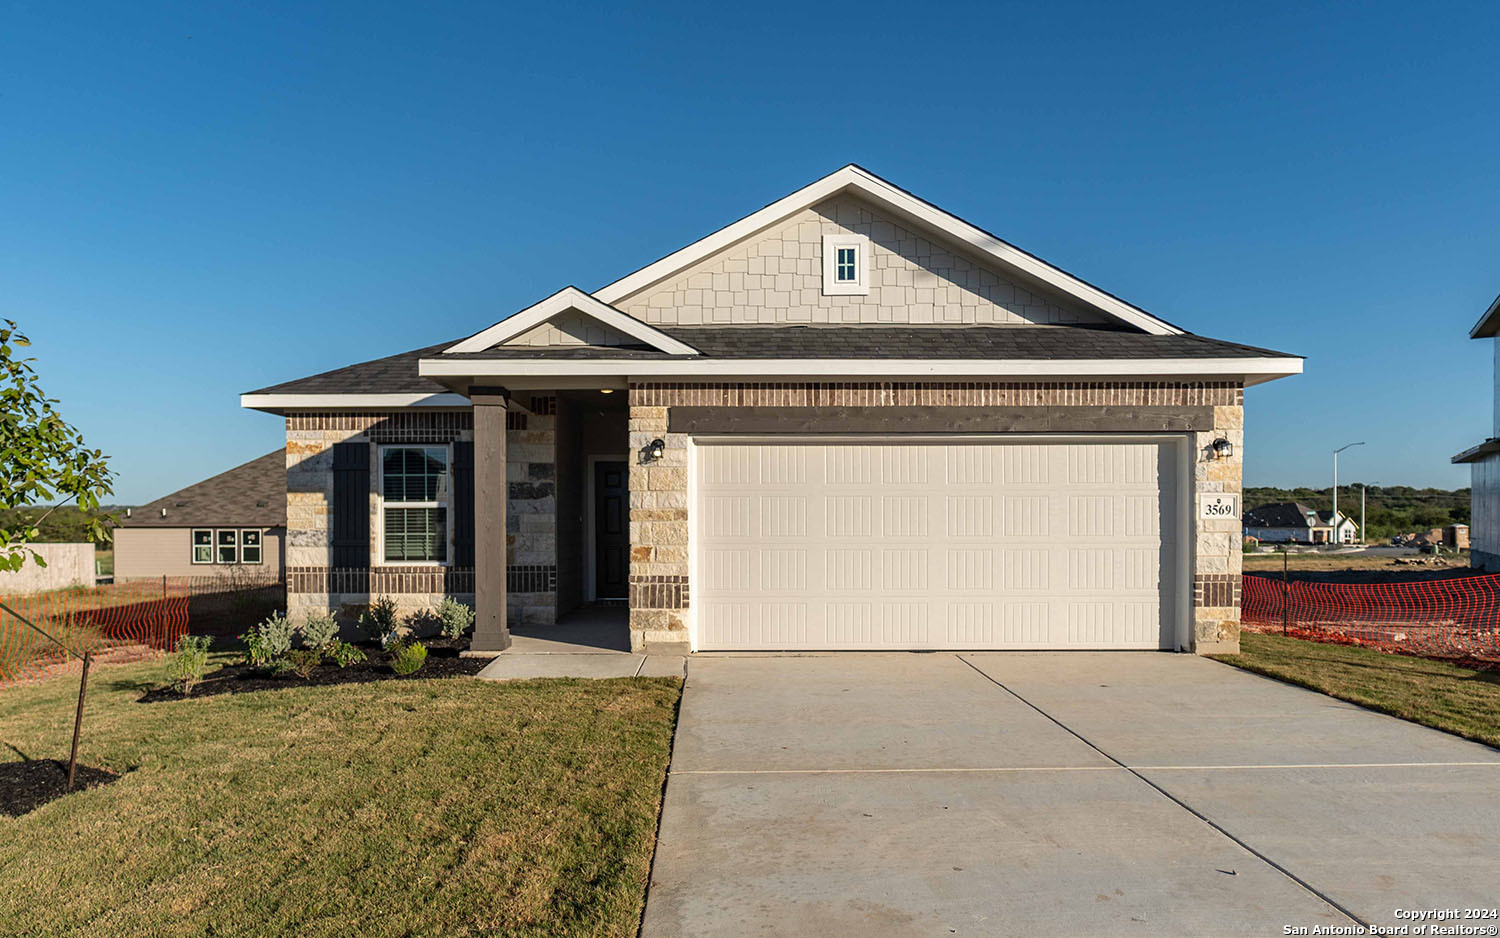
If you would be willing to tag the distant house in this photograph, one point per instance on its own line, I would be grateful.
(1484, 465)
(232, 523)
(1296, 523)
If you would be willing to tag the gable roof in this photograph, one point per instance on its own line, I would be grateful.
(906, 206)
(249, 495)
(1488, 324)
(392, 381)
(572, 298)
(1284, 515)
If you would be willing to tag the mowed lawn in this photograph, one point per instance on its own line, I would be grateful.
(1433, 693)
(440, 807)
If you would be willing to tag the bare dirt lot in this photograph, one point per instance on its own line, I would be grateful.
(1361, 567)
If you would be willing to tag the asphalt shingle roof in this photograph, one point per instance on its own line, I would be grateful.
(1281, 515)
(251, 495)
(398, 373)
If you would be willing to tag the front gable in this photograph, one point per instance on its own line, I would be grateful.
(776, 277)
(571, 317)
(571, 329)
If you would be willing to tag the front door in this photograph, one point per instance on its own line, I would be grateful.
(611, 530)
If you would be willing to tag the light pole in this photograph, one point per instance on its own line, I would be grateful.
(1336, 487)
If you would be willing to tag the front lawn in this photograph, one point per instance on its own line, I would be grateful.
(1433, 693)
(415, 807)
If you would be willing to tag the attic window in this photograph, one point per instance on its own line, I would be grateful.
(846, 261)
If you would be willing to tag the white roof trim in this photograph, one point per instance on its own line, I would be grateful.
(903, 202)
(341, 401)
(560, 302)
(1488, 324)
(1253, 370)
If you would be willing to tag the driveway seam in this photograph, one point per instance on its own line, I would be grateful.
(1174, 799)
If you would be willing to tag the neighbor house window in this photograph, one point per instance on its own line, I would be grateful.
(249, 546)
(414, 491)
(203, 545)
(226, 546)
(846, 259)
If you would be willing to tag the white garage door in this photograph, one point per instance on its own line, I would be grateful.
(962, 544)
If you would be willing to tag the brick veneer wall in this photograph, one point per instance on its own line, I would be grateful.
(313, 585)
(659, 578)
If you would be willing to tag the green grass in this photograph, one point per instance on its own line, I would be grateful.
(1434, 693)
(440, 807)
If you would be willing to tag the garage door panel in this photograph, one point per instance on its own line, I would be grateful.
(917, 545)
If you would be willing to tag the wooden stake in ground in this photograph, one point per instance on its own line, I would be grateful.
(83, 686)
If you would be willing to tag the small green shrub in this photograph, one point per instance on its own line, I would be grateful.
(303, 661)
(379, 621)
(269, 640)
(278, 666)
(186, 666)
(344, 654)
(408, 658)
(319, 631)
(455, 617)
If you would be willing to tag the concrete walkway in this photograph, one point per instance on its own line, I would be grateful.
(1063, 794)
(592, 642)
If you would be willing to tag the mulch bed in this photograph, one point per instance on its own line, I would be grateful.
(26, 786)
(442, 661)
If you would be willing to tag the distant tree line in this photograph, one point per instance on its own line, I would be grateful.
(65, 525)
(1389, 509)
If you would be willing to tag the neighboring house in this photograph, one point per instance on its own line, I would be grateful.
(230, 525)
(849, 420)
(1484, 465)
(1295, 523)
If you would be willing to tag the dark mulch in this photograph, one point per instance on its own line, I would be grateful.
(242, 678)
(26, 786)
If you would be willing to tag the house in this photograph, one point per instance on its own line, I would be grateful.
(233, 524)
(1484, 465)
(1296, 523)
(849, 420)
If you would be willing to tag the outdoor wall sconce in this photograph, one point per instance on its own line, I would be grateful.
(1223, 449)
(652, 451)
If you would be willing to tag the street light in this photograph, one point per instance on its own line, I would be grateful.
(1336, 487)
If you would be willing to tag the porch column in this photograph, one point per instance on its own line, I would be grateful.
(491, 633)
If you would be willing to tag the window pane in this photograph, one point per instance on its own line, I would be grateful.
(203, 553)
(227, 539)
(203, 536)
(414, 473)
(845, 265)
(250, 538)
(249, 547)
(416, 534)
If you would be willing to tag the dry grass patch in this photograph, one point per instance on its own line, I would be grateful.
(430, 807)
(1434, 693)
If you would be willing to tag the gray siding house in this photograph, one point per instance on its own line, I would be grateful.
(849, 420)
(1484, 464)
(230, 525)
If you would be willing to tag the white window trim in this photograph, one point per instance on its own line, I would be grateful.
(381, 505)
(832, 286)
(213, 547)
(260, 547)
(227, 563)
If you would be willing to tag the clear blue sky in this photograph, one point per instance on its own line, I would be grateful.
(197, 201)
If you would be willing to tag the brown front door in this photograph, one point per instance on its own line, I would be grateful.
(611, 530)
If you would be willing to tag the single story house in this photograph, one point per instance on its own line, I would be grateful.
(848, 420)
(1295, 523)
(233, 524)
(1484, 464)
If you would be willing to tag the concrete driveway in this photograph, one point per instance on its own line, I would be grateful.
(1055, 794)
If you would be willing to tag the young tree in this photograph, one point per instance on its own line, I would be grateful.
(42, 459)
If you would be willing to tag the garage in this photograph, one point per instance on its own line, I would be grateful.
(947, 543)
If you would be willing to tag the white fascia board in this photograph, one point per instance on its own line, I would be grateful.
(882, 192)
(560, 302)
(1253, 370)
(347, 401)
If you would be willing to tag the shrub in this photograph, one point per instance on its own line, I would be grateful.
(456, 617)
(319, 631)
(379, 621)
(408, 658)
(269, 640)
(344, 654)
(303, 661)
(186, 666)
(278, 666)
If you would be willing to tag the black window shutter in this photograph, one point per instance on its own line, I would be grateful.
(463, 504)
(351, 505)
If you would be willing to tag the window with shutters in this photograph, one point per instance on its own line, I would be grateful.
(414, 504)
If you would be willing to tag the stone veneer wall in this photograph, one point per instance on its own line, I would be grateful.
(660, 594)
(314, 585)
